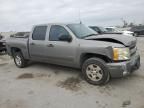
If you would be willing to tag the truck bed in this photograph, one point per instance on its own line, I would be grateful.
(18, 42)
(21, 40)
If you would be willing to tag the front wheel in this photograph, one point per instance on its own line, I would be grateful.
(95, 71)
(19, 60)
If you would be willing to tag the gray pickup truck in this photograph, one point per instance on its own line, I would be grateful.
(100, 57)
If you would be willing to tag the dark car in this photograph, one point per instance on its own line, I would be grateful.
(138, 30)
(99, 30)
(2, 44)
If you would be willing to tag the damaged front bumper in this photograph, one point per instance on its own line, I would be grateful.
(125, 68)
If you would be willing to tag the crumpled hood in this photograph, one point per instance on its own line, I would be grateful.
(121, 39)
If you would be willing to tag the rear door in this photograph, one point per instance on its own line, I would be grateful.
(37, 42)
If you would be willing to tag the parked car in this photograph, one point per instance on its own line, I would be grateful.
(99, 30)
(138, 30)
(100, 57)
(116, 30)
(102, 30)
(2, 43)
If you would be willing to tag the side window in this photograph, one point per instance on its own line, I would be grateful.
(56, 31)
(39, 33)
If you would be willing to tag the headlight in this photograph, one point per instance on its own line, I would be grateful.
(121, 53)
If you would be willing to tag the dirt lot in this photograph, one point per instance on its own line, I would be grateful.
(50, 86)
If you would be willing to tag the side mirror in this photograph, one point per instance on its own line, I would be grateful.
(65, 38)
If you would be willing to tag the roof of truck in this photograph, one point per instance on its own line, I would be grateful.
(55, 24)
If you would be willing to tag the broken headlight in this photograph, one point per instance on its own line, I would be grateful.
(121, 53)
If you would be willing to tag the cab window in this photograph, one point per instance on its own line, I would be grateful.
(39, 33)
(56, 31)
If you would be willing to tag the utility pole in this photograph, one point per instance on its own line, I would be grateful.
(80, 17)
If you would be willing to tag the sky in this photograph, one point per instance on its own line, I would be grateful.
(21, 15)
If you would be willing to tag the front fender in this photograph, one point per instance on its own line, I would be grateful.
(103, 51)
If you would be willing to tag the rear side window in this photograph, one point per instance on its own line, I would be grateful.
(56, 31)
(39, 33)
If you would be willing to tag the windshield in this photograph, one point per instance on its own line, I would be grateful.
(81, 31)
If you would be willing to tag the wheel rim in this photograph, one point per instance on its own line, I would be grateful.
(18, 60)
(94, 72)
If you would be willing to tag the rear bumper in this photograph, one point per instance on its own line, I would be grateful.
(122, 69)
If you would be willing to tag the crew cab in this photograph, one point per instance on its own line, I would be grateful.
(100, 57)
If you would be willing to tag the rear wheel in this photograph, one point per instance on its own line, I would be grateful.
(19, 60)
(95, 71)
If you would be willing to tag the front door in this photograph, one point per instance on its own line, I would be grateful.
(60, 52)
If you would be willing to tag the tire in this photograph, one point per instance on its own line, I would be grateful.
(19, 60)
(99, 74)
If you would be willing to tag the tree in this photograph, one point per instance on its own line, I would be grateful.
(125, 23)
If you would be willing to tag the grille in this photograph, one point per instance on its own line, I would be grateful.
(133, 50)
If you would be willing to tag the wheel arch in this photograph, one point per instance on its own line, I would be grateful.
(14, 50)
(86, 56)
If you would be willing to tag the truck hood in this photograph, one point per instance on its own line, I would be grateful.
(127, 41)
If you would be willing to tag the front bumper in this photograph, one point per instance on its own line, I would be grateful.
(125, 68)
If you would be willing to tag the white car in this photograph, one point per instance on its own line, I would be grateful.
(117, 30)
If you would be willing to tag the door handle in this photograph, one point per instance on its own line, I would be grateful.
(32, 43)
(50, 45)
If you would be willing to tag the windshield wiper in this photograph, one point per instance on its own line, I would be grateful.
(88, 35)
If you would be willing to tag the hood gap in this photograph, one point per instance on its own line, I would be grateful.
(108, 40)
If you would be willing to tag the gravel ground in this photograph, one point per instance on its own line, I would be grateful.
(50, 86)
